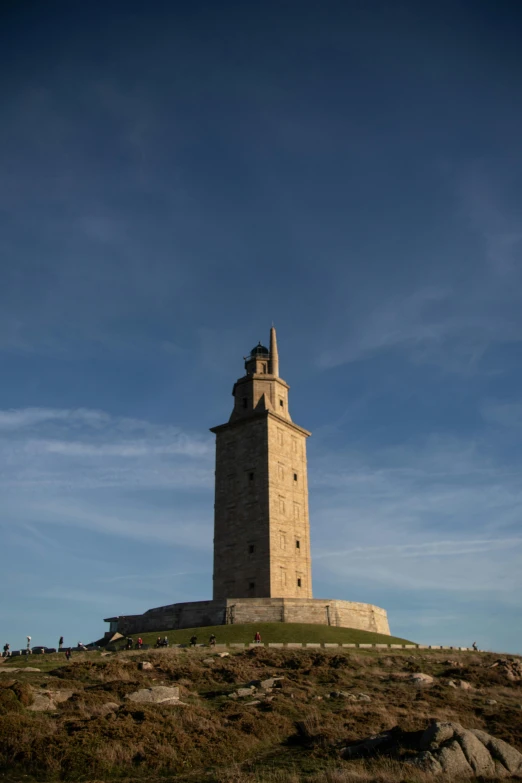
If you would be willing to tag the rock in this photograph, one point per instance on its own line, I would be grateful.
(145, 666)
(510, 667)
(208, 661)
(363, 697)
(252, 703)
(11, 669)
(242, 692)
(223, 655)
(507, 755)
(491, 701)
(159, 694)
(346, 695)
(444, 748)
(453, 761)
(29, 669)
(109, 706)
(462, 684)
(418, 678)
(42, 702)
(62, 695)
(267, 684)
(461, 751)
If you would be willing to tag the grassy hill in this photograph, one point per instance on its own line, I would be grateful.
(274, 632)
(292, 733)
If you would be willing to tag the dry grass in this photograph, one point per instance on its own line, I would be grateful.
(294, 737)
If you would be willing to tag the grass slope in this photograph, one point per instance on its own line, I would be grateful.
(274, 632)
(291, 734)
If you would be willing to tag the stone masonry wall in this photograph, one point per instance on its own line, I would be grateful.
(241, 526)
(345, 614)
(290, 561)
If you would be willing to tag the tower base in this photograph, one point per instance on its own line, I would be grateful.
(225, 611)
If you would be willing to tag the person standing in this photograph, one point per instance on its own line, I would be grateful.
(60, 643)
(29, 645)
(140, 642)
(257, 638)
(68, 654)
(7, 650)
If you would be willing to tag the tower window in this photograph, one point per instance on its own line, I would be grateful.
(295, 476)
(251, 549)
(251, 476)
(298, 544)
(245, 402)
(281, 404)
(299, 582)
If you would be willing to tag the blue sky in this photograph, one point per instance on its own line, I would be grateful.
(176, 176)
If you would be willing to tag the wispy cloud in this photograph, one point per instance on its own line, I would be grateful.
(440, 514)
(18, 418)
(91, 448)
(90, 470)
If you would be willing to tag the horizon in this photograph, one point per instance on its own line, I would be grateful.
(176, 179)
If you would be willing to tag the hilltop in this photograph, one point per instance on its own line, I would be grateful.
(273, 632)
(257, 716)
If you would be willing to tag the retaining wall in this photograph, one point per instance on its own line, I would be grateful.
(343, 614)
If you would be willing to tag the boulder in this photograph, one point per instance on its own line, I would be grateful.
(62, 695)
(159, 694)
(504, 754)
(268, 683)
(223, 655)
(418, 678)
(145, 666)
(461, 684)
(491, 701)
(109, 706)
(42, 702)
(444, 748)
(242, 692)
(510, 667)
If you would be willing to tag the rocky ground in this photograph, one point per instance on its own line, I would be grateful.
(262, 715)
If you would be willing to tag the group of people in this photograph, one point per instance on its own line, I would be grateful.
(28, 650)
(160, 642)
(129, 644)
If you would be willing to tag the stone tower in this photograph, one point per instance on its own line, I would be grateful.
(261, 522)
(262, 568)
